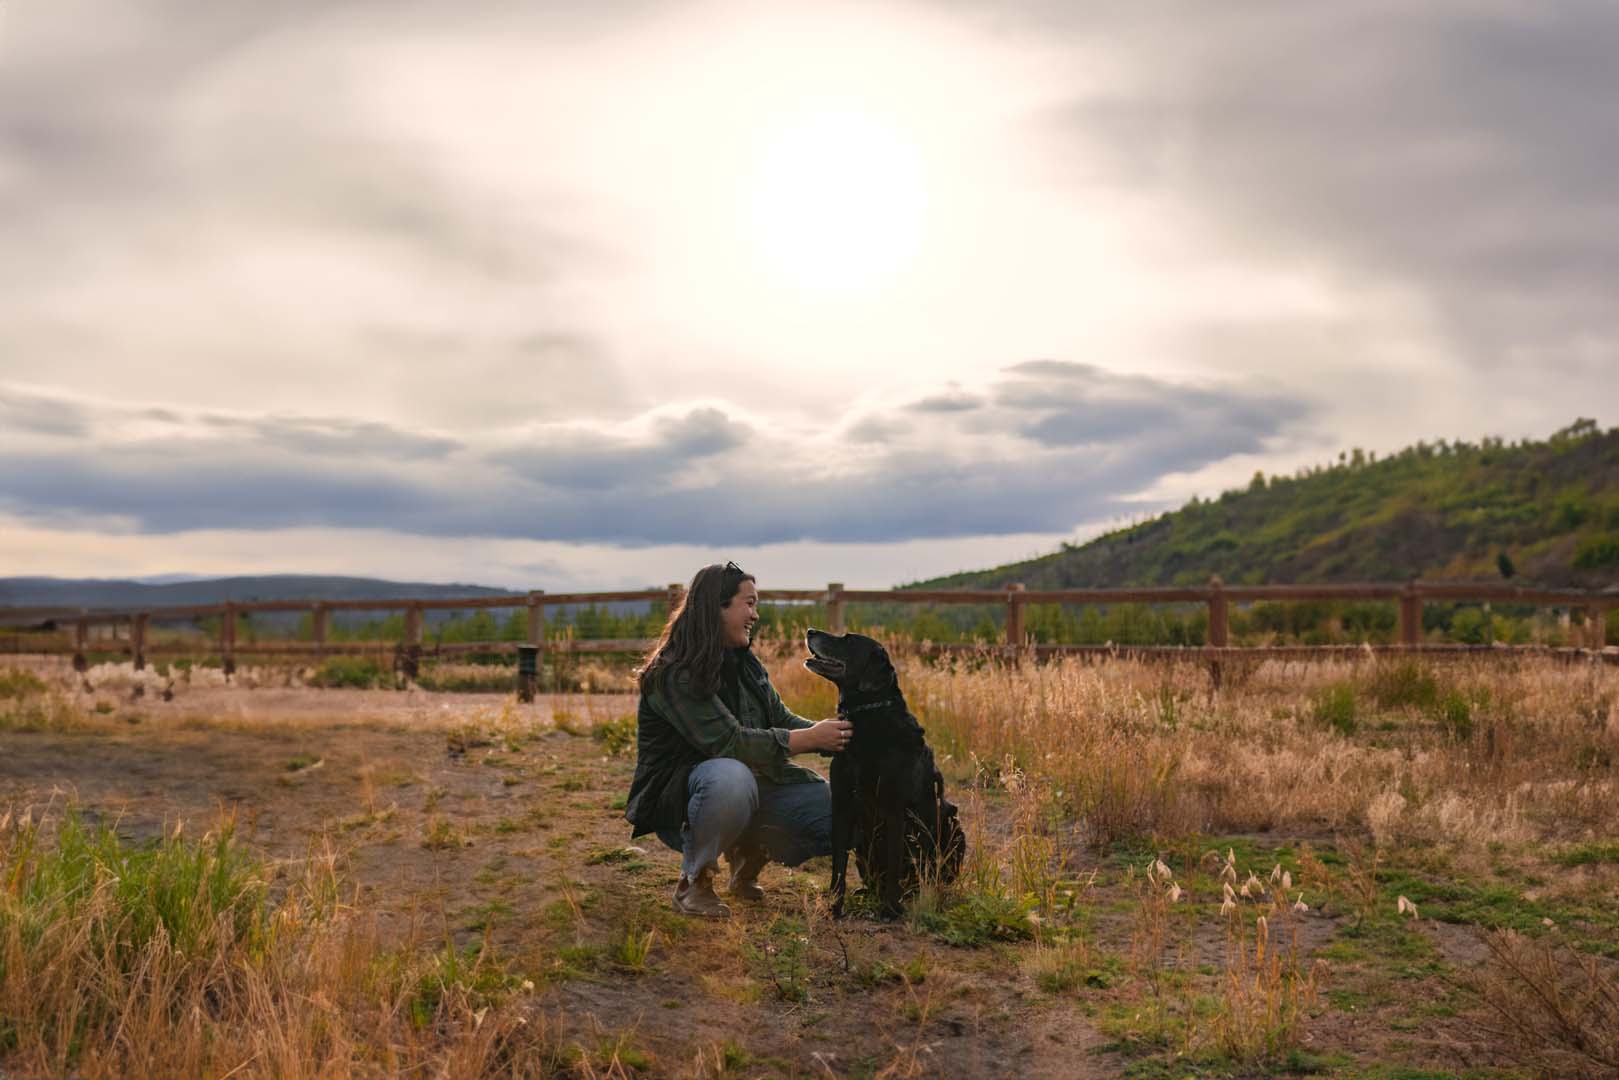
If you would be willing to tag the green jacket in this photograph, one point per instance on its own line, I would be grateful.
(676, 730)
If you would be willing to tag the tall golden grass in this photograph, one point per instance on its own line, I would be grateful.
(1467, 752)
(172, 960)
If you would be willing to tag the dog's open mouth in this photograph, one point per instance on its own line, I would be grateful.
(826, 667)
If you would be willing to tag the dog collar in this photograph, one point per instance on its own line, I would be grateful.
(882, 703)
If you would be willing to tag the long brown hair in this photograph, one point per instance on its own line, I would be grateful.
(691, 639)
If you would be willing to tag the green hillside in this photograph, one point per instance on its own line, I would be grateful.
(1543, 512)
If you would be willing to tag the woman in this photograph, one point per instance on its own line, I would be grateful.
(713, 741)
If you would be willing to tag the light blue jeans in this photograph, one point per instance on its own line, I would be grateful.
(729, 807)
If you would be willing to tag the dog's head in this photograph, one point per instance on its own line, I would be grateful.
(856, 663)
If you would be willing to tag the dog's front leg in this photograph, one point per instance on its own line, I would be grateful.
(893, 856)
(843, 793)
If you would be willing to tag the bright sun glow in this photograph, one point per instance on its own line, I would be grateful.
(838, 201)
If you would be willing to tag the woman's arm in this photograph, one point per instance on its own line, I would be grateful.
(710, 728)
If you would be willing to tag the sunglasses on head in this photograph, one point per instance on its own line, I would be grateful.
(733, 568)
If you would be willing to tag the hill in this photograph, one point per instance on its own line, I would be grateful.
(1543, 512)
(98, 593)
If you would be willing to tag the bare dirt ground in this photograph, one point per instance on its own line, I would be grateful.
(445, 829)
(471, 817)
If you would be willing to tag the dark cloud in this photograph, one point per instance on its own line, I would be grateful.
(581, 459)
(1070, 404)
(343, 438)
(689, 477)
(949, 402)
(21, 410)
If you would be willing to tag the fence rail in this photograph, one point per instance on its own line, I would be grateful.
(1217, 596)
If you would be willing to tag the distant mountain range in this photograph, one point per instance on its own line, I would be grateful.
(1543, 512)
(182, 590)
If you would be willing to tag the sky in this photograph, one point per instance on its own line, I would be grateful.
(585, 295)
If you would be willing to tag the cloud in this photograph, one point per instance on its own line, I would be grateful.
(1463, 152)
(580, 458)
(1027, 460)
(22, 410)
(1079, 405)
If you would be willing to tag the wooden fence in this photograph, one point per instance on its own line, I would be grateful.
(99, 631)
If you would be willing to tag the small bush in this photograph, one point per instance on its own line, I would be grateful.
(356, 672)
(1407, 684)
(1597, 551)
(1454, 713)
(1335, 706)
(16, 683)
(618, 735)
(1557, 1009)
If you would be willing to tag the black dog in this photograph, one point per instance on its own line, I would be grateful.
(888, 799)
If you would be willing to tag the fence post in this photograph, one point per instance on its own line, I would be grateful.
(227, 637)
(834, 607)
(410, 657)
(1596, 628)
(81, 645)
(1410, 615)
(1219, 614)
(677, 595)
(536, 618)
(137, 639)
(528, 671)
(1015, 637)
(319, 618)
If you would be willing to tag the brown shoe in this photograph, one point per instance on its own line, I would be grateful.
(697, 897)
(745, 866)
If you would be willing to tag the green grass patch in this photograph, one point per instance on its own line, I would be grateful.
(1589, 854)
(1336, 707)
(354, 672)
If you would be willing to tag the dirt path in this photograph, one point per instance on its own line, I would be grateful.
(467, 816)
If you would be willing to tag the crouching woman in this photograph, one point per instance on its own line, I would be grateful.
(713, 746)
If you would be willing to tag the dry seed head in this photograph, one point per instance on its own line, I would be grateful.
(1174, 892)
(1229, 905)
(1299, 906)
(1404, 906)
(1287, 881)
(1263, 927)
(1276, 873)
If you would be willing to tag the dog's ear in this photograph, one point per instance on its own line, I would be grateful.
(877, 673)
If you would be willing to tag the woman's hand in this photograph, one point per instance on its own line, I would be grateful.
(826, 736)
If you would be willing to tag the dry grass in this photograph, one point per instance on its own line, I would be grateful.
(1066, 773)
(1557, 1009)
(1137, 749)
(173, 960)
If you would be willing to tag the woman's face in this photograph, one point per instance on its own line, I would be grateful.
(739, 614)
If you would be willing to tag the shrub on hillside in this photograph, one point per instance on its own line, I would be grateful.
(1597, 551)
